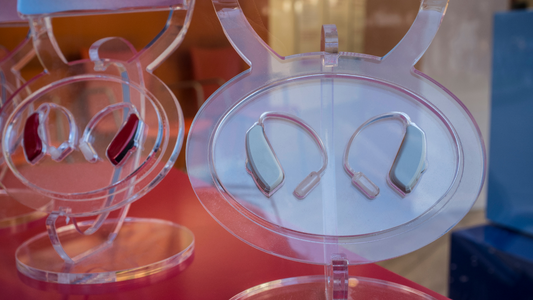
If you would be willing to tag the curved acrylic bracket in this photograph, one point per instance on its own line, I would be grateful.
(100, 62)
(45, 44)
(51, 228)
(150, 57)
(167, 40)
(10, 66)
(256, 52)
(415, 43)
(242, 36)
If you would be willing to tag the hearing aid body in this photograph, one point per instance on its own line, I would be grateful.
(35, 142)
(409, 163)
(125, 142)
(263, 165)
(34, 148)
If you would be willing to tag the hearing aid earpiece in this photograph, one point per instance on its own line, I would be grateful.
(125, 142)
(409, 163)
(34, 148)
(262, 162)
(263, 165)
(36, 142)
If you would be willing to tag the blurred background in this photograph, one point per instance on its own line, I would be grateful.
(460, 58)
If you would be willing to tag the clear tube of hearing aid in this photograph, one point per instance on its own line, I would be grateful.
(307, 185)
(367, 187)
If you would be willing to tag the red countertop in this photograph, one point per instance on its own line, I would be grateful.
(222, 265)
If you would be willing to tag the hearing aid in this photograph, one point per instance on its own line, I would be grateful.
(409, 162)
(263, 165)
(36, 142)
(124, 143)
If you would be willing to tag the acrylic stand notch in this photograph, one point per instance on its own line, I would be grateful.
(337, 278)
(329, 43)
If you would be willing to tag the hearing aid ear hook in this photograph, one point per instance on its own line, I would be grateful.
(36, 136)
(263, 165)
(125, 142)
(409, 163)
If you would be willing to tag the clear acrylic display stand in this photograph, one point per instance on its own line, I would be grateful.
(405, 159)
(90, 137)
(312, 288)
(12, 213)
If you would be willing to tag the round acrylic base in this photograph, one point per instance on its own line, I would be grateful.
(14, 214)
(313, 288)
(143, 247)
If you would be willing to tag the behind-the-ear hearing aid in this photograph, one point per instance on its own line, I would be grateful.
(125, 142)
(263, 165)
(408, 166)
(36, 136)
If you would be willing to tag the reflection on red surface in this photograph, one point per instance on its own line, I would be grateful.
(106, 288)
(223, 266)
(26, 219)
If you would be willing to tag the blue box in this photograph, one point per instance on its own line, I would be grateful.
(491, 262)
(510, 178)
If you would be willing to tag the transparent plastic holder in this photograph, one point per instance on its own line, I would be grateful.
(439, 153)
(13, 215)
(91, 137)
(311, 288)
